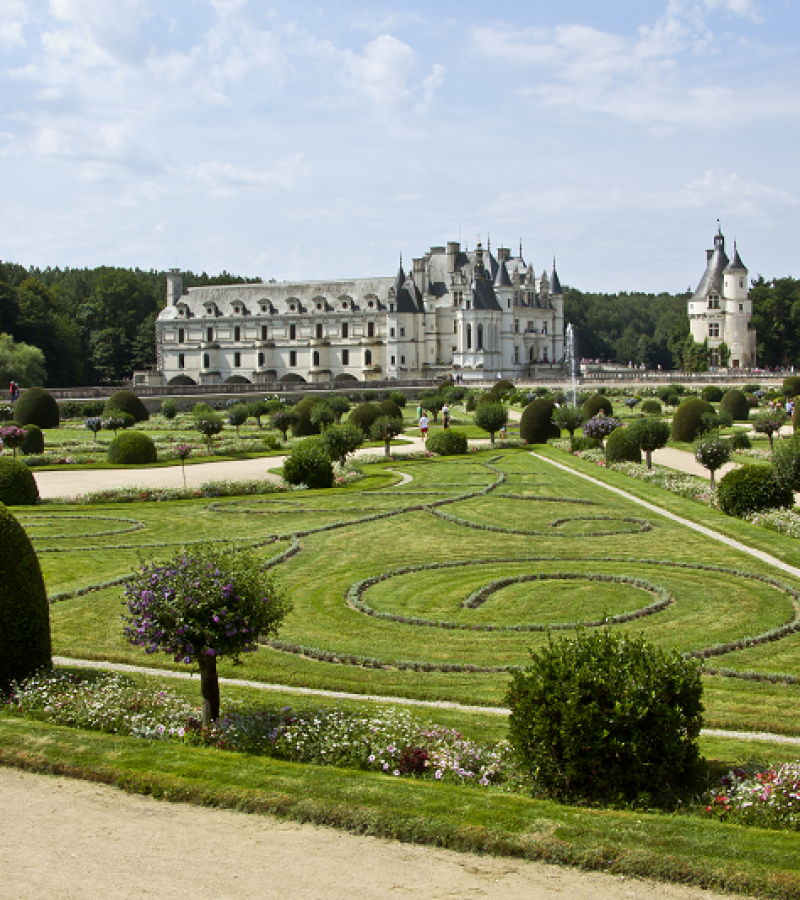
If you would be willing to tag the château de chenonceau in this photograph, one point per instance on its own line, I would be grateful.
(455, 311)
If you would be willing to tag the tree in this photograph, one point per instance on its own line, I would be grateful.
(205, 604)
(491, 417)
(712, 454)
(724, 352)
(340, 440)
(568, 418)
(322, 416)
(433, 403)
(21, 362)
(208, 424)
(12, 436)
(695, 356)
(769, 420)
(260, 408)
(340, 405)
(600, 427)
(283, 421)
(650, 434)
(384, 429)
(238, 415)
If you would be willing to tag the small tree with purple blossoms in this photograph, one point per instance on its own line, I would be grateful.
(13, 436)
(206, 603)
(600, 427)
(712, 454)
(768, 421)
(93, 424)
(184, 451)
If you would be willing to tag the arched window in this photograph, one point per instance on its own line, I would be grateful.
(480, 338)
(469, 337)
(315, 362)
(367, 357)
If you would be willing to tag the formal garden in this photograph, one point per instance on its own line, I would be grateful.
(432, 579)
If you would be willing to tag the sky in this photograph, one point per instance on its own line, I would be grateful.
(303, 141)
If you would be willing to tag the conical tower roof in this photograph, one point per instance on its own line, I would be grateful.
(736, 263)
(555, 284)
(502, 278)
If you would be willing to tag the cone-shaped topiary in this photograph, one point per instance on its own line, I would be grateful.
(128, 402)
(687, 423)
(34, 441)
(622, 446)
(24, 613)
(735, 402)
(17, 484)
(132, 448)
(595, 404)
(36, 406)
(536, 425)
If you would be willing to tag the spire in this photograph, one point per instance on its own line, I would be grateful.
(520, 248)
(502, 278)
(400, 280)
(555, 284)
(736, 262)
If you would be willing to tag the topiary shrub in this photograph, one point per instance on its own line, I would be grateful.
(36, 406)
(622, 446)
(364, 416)
(607, 717)
(309, 464)
(595, 404)
(687, 423)
(750, 489)
(127, 402)
(92, 408)
(501, 388)
(303, 425)
(17, 484)
(447, 443)
(790, 388)
(712, 393)
(786, 463)
(492, 417)
(651, 407)
(391, 409)
(536, 425)
(34, 441)
(24, 611)
(169, 408)
(735, 402)
(398, 398)
(132, 448)
(740, 441)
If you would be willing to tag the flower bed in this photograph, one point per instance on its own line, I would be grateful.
(769, 798)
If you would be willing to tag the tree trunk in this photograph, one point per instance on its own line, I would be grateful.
(209, 689)
(491, 435)
(712, 478)
(386, 447)
(648, 455)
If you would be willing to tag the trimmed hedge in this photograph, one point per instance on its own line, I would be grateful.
(17, 484)
(735, 402)
(687, 423)
(126, 402)
(622, 446)
(595, 404)
(536, 425)
(24, 611)
(34, 441)
(713, 393)
(36, 406)
(132, 448)
(309, 464)
(791, 386)
(651, 408)
(365, 416)
(391, 409)
(750, 489)
(447, 443)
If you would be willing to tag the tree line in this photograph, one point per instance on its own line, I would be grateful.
(70, 327)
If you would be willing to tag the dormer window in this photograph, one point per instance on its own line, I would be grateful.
(344, 305)
(264, 308)
(237, 310)
(291, 307)
(319, 307)
(209, 309)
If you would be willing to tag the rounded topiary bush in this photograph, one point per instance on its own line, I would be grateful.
(391, 409)
(735, 402)
(536, 425)
(740, 441)
(622, 446)
(17, 484)
(595, 404)
(132, 448)
(364, 416)
(447, 443)
(303, 426)
(502, 387)
(309, 464)
(687, 423)
(791, 386)
(36, 406)
(712, 393)
(606, 716)
(399, 398)
(126, 402)
(34, 441)
(651, 407)
(24, 611)
(750, 489)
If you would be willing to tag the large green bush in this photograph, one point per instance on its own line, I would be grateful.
(36, 406)
(786, 463)
(687, 423)
(750, 489)
(17, 484)
(595, 404)
(622, 446)
(502, 387)
(536, 425)
(309, 464)
(651, 407)
(127, 402)
(447, 443)
(791, 386)
(132, 448)
(34, 441)
(303, 425)
(364, 416)
(735, 402)
(713, 393)
(24, 611)
(605, 716)
(391, 409)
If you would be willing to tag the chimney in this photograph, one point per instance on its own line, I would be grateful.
(419, 274)
(709, 254)
(453, 249)
(174, 286)
(503, 253)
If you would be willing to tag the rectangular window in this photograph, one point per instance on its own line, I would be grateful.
(345, 357)
(392, 361)
(319, 331)
(237, 360)
(402, 332)
(713, 329)
(292, 332)
(209, 334)
(516, 326)
(263, 332)
(293, 356)
(370, 329)
(391, 332)
(181, 361)
(344, 330)
(181, 335)
(402, 360)
(237, 334)
(741, 307)
(516, 354)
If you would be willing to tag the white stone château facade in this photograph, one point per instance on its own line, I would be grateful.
(455, 312)
(720, 308)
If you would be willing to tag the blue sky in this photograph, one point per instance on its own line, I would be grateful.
(300, 141)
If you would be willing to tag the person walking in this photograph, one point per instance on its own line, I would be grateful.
(445, 417)
(423, 426)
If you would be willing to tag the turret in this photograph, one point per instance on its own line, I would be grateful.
(174, 286)
(735, 278)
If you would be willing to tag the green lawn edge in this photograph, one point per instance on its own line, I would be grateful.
(674, 848)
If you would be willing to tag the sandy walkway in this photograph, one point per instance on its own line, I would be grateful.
(69, 840)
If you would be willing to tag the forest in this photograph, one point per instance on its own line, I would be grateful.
(70, 327)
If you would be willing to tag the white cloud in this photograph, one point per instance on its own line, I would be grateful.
(227, 178)
(381, 73)
(729, 190)
(13, 16)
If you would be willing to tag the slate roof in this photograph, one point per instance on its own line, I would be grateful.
(736, 263)
(713, 277)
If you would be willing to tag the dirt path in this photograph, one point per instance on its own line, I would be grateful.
(68, 840)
